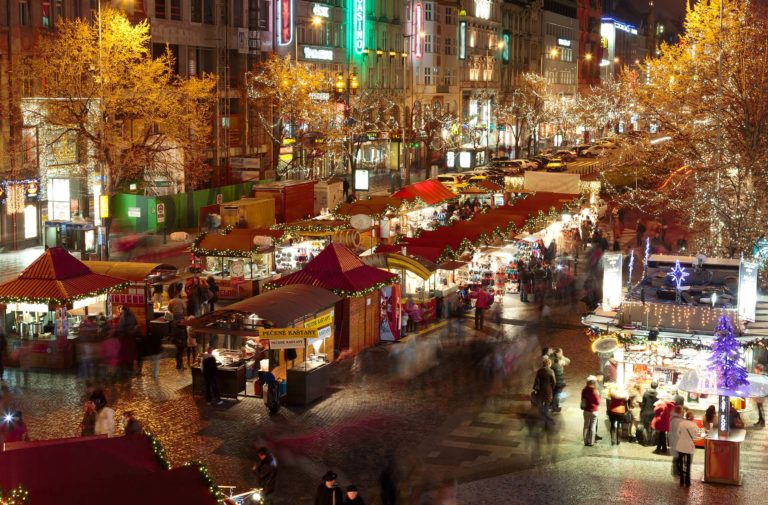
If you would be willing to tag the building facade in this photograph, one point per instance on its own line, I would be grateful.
(589, 13)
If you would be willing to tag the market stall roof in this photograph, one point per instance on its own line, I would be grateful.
(374, 206)
(431, 192)
(282, 306)
(56, 278)
(419, 266)
(313, 227)
(237, 242)
(339, 269)
(420, 252)
(129, 270)
(483, 187)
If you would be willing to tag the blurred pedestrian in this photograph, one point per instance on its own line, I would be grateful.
(650, 397)
(708, 422)
(543, 391)
(559, 362)
(210, 371)
(191, 346)
(131, 425)
(213, 293)
(759, 401)
(3, 346)
(483, 300)
(352, 496)
(662, 413)
(153, 349)
(674, 422)
(105, 419)
(329, 493)
(617, 410)
(389, 482)
(179, 340)
(687, 434)
(176, 306)
(127, 323)
(590, 404)
(88, 423)
(265, 470)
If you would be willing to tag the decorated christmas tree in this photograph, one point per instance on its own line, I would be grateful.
(727, 360)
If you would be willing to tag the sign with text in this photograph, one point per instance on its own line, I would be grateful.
(611, 280)
(358, 26)
(324, 320)
(160, 213)
(287, 343)
(285, 333)
(317, 53)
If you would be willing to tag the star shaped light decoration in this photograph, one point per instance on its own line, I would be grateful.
(679, 274)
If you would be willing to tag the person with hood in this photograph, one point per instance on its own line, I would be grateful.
(650, 397)
(329, 493)
(674, 422)
(266, 473)
(662, 413)
(543, 390)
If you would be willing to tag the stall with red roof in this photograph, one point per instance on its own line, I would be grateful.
(35, 308)
(422, 207)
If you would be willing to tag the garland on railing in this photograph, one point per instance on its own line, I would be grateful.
(206, 475)
(158, 450)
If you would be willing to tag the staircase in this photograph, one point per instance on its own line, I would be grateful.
(759, 329)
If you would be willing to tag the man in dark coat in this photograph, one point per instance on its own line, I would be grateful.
(329, 493)
(650, 397)
(559, 362)
(266, 473)
(210, 369)
(543, 389)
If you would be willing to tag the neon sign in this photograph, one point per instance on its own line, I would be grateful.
(284, 14)
(323, 11)
(462, 40)
(358, 25)
(314, 53)
(418, 27)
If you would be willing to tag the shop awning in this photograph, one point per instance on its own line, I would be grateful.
(393, 260)
(284, 306)
(451, 265)
(339, 269)
(57, 278)
(128, 270)
(375, 206)
(430, 192)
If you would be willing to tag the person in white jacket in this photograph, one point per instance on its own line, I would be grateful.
(674, 424)
(687, 434)
(105, 422)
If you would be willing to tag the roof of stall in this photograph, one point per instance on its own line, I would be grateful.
(339, 269)
(57, 278)
(375, 206)
(237, 242)
(129, 270)
(285, 305)
(430, 192)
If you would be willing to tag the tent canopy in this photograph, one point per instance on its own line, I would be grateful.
(128, 270)
(339, 269)
(431, 192)
(56, 278)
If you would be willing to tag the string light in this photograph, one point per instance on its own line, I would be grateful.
(206, 475)
(158, 450)
(17, 496)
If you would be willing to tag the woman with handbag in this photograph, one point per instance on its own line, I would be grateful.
(687, 434)
(617, 411)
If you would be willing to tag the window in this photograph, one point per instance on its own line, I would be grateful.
(428, 9)
(237, 15)
(58, 10)
(450, 47)
(176, 10)
(427, 76)
(160, 9)
(196, 11)
(24, 12)
(448, 77)
(427, 43)
(208, 12)
(450, 16)
(437, 44)
(77, 9)
(58, 199)
(45, 11)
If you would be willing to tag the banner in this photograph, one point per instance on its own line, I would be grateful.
(287, 343)
(324, 320)
(554, 183)
(747, 290)
(284, 333)
(611, 280)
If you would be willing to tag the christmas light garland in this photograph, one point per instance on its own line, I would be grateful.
(158, 450)
(57, 302)
(224, 253)
(16, 496)
(206, 475)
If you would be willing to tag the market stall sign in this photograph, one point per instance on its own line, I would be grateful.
(292, 333)
(287, 343)
(323, 320)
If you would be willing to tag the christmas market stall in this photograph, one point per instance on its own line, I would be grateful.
(41, 330)
(368, 309)
(423, 207)
(303, 240)
(289, 330)
(75, 471)
(241, 260)
(377, 213)
(145, 280)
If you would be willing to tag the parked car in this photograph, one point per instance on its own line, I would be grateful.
(492, 174)
(527, 164)
(580, 148)
(598, 150)
(508, 167)
(452, 181)
(566, 154)
(557, 164)
(541, 161)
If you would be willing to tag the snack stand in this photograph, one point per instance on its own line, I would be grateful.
(300, 360)
(241, 260)
(422, 206)
(41, 331)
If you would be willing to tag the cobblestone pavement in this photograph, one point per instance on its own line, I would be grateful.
(443, 424)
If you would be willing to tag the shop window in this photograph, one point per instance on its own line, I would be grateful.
(160, 9)
(30, 221)
(428, 10)
(58, 199)
(176, 10)
(196, 11)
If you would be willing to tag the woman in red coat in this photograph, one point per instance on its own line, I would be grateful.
(662, 413)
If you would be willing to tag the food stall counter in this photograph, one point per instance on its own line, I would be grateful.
(307, 382)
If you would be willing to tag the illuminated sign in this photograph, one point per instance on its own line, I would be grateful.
(320, 96)
(323, 11)
(361, 180)
(564, 42)
(284, 14)
(505, 49)
(747, 300)
(358, 26)
(315, 53)
(483, 9)
(462, 40)
(723, 414)
(611, 281)
(134, 212)
(624, 27)
(418, 28)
